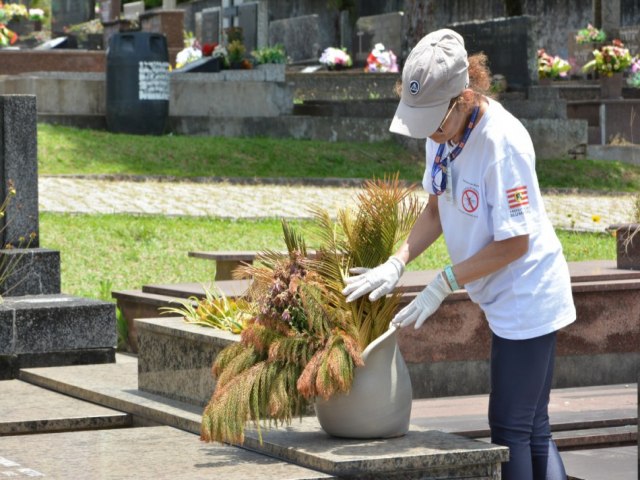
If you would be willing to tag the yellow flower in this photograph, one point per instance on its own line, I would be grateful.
(595, 218)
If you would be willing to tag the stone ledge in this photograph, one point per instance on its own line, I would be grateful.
(10, 365)
(175, 358)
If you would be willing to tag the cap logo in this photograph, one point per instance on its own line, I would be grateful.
(414, 87)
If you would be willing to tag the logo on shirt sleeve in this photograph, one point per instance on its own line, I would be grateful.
(518, 199)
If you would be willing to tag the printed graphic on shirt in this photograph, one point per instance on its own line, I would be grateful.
(469, 199)
(518, 200)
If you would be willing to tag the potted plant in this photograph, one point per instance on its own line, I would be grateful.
(305, 343)
(610, 62)
(551, 68)
(271, 59)
(272, 54)
(236, 55)
(335, 58)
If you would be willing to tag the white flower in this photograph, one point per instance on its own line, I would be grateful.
(36, 13)
(187, 55)
(335, 56)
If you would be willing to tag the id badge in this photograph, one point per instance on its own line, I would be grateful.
(448, 192)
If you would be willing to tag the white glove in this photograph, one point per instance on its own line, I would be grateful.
(423, 306)
(381, 280)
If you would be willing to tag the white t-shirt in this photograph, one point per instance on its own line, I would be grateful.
(496, 196)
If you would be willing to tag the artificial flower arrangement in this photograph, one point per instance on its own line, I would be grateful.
(590, 34)
(335, 58)
(551, 67)
(36, 14)
(303, 340)
(634, 81)
(190, 53)
(610, 59)
(381, 60)
(271, 54)
(13, 11)
(7, 37)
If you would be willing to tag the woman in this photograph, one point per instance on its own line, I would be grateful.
(484, 197)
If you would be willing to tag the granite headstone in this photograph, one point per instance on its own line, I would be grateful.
(211, 26)
(192, 8)
(509, 44)
(386, 29)
(19, 168)
(630, 36)
(70, 12)
(131, 11)
(300, 36)
(248, 21)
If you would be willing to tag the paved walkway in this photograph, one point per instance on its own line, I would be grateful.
(592, 212)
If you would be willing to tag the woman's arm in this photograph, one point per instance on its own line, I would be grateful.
(490, 259)
(426, 230)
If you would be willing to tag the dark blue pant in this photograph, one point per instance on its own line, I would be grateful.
(521, 373)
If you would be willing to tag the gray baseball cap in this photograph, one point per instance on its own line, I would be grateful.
(435, 72)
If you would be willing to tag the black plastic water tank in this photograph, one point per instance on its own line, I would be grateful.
(137, 83)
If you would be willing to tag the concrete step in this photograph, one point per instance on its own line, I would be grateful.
(596, 437)
(29, 409)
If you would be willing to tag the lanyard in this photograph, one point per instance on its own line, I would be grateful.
(441, 164)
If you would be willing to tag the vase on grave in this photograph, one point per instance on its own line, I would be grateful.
(379, 402)
(611, 87)
(627, 245)
(21, 27)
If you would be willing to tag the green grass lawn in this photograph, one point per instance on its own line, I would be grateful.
(101, 253)
(65, 150)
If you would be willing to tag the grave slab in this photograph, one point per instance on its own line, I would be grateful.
(422, 453)
(48, 330)
(27, 408)
(114, 386)
(43, 323)
(141, 453)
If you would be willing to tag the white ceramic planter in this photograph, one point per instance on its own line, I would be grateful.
(379, 403)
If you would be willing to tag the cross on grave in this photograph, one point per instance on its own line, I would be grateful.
(236, 13)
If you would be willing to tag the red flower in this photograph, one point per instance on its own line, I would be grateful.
(208, 48)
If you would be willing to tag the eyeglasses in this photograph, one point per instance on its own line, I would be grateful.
(452, 105)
